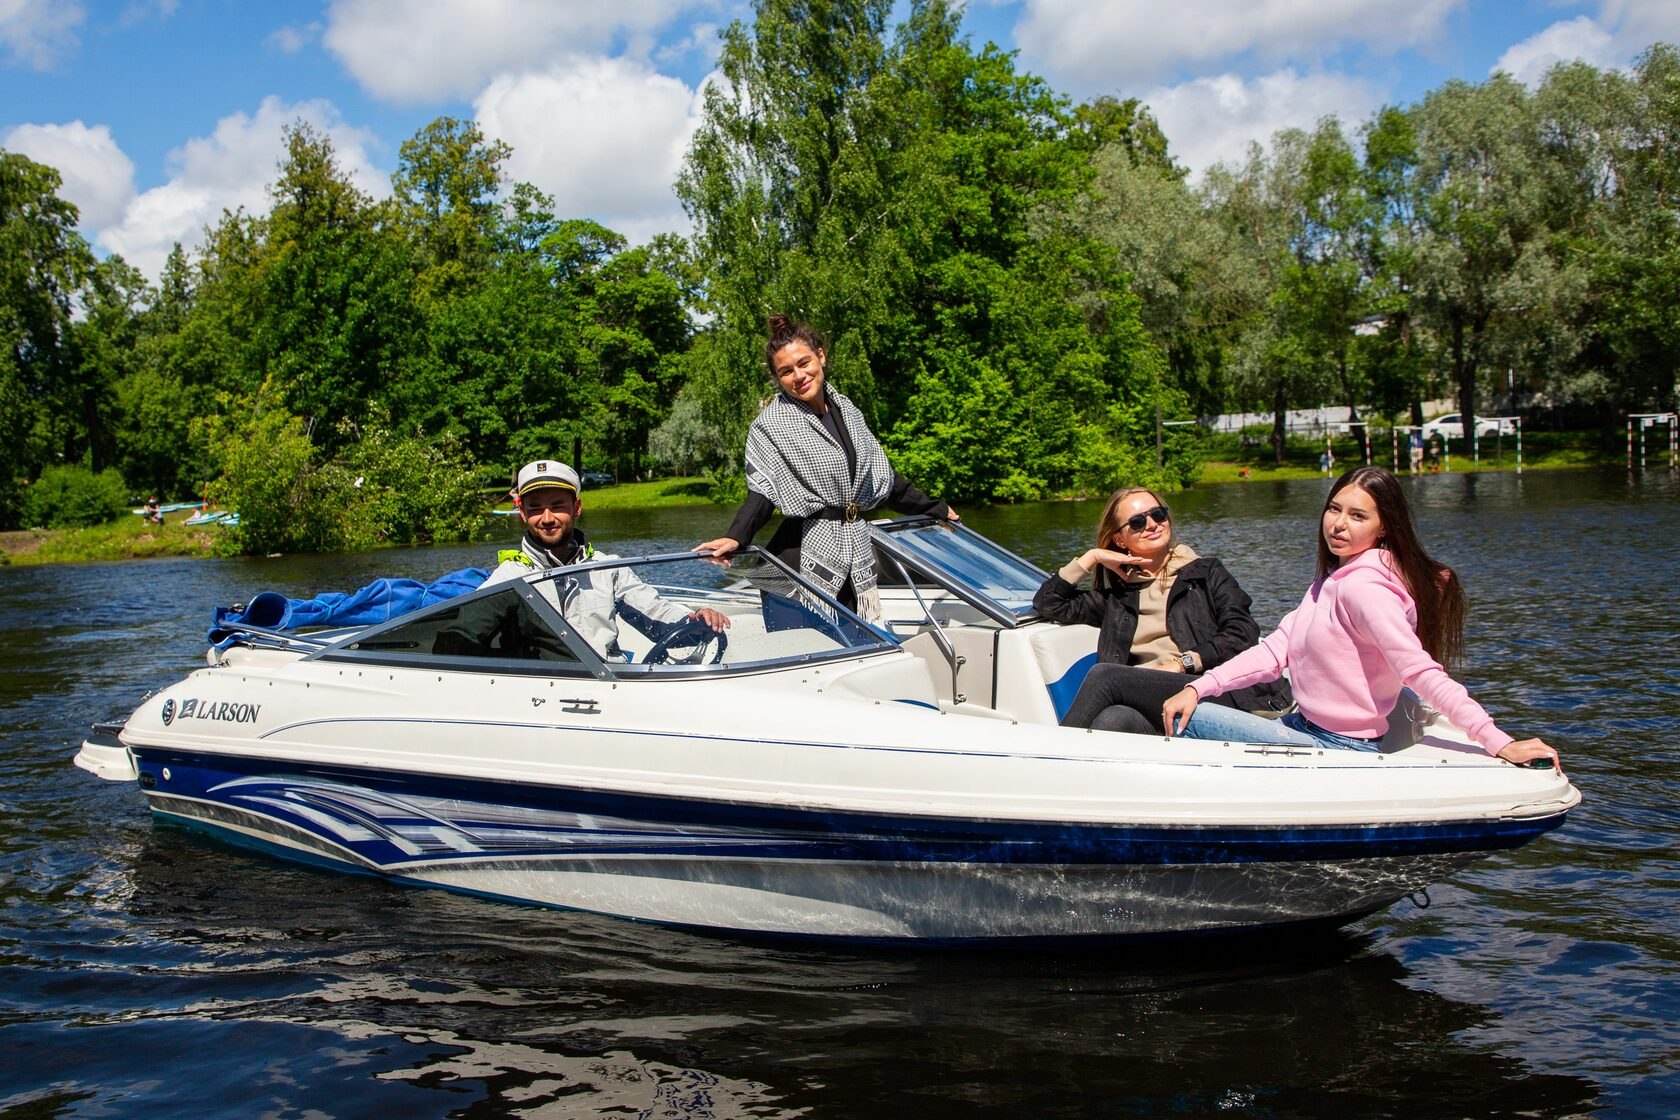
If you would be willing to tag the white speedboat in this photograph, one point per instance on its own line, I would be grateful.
(806, 774)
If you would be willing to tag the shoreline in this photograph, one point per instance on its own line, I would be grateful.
(121, 540)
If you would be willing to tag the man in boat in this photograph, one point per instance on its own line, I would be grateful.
(548, 497)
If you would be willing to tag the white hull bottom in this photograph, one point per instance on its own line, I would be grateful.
(921, 901)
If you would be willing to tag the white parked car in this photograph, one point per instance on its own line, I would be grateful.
(1451, 426)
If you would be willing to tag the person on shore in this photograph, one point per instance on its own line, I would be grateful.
(1381, 616)
(1161, 611)
(1414, 447)
(810, 454)
(548, 497)
(154, 514)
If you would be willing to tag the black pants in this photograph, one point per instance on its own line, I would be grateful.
(1127, 698)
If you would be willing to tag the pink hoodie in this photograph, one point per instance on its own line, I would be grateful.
(1350, 647)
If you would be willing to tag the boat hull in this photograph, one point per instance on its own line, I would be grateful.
(815, 872)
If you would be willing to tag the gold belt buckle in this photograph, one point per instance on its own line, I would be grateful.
(851, 511)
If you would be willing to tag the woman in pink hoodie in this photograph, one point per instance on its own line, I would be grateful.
(1381, 616)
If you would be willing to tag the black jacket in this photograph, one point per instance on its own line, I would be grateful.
(1207, 614)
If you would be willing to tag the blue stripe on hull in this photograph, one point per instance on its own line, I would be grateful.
(394, 821)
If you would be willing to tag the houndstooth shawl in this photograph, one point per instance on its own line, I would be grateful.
(794, 462)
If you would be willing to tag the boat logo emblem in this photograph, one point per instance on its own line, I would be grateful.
(168, 712)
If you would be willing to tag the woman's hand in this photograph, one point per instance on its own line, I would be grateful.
(951, 514)
(1175, 713)
(1112, 559)
(720, 547)
(1526, 750)
(1080, 566)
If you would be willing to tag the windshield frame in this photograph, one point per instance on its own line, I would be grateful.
(589, 662)
(885, 531)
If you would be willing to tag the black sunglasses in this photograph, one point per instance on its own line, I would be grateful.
(1137, 521)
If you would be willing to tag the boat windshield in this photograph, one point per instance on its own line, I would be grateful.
(618, 617)
(988, 576)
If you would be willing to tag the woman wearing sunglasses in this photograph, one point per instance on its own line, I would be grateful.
(1161, 611)
(1381, 616)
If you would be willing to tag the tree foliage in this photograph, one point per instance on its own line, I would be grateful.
(906, 195)
(1023, 296)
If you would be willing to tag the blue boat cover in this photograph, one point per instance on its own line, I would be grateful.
(380, 600)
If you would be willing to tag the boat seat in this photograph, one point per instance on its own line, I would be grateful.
(1063, 654)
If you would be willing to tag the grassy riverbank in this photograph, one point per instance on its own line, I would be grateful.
(130, 538)
(1231, 461)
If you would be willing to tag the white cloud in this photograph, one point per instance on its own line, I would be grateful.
(98, 176)
(36, 33)
(140, 11)
(1639, 23)
(605, 137)
(1087, 49)
(702, 40)
(428, 52)
(230, 168)
(1579, 39)
(1213, 120)
(291, 40)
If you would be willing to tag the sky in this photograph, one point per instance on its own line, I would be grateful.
(160, 114)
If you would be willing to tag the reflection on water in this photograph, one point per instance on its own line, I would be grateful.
(148, 971)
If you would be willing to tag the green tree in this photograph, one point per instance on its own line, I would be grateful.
(43, 265)
(909, 198)
(1395, 360)
(156, 448)
(335, 313)
(104, 351)
(446, 187)
(379, 487)
(1324, 289)
(1181, 262)
(1108, 124)
(70, 497)
(1613, 171)
(492, 362)
(632, 329)
(1481, 205)
(1271, 363)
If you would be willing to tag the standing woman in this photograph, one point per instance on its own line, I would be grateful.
(1382, 615)
(1161, 612)
(810, 454)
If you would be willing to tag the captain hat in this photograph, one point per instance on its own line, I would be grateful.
(545, 473)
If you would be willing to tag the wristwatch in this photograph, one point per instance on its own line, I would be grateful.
(1188, 660)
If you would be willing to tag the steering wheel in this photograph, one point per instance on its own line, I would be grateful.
(695, 632)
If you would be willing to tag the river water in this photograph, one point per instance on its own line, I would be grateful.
(145, 971)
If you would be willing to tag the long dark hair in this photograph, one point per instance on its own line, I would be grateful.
(1433, 586)
(783, 330)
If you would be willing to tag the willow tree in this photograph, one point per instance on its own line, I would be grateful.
(1275, 360)
(791, 159)
(1483, 206)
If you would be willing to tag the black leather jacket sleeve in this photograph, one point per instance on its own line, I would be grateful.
(1061, 601)
(1224, 627)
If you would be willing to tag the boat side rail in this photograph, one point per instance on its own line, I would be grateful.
(261, 637)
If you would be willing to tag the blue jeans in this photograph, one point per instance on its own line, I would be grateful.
(1215, 721)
